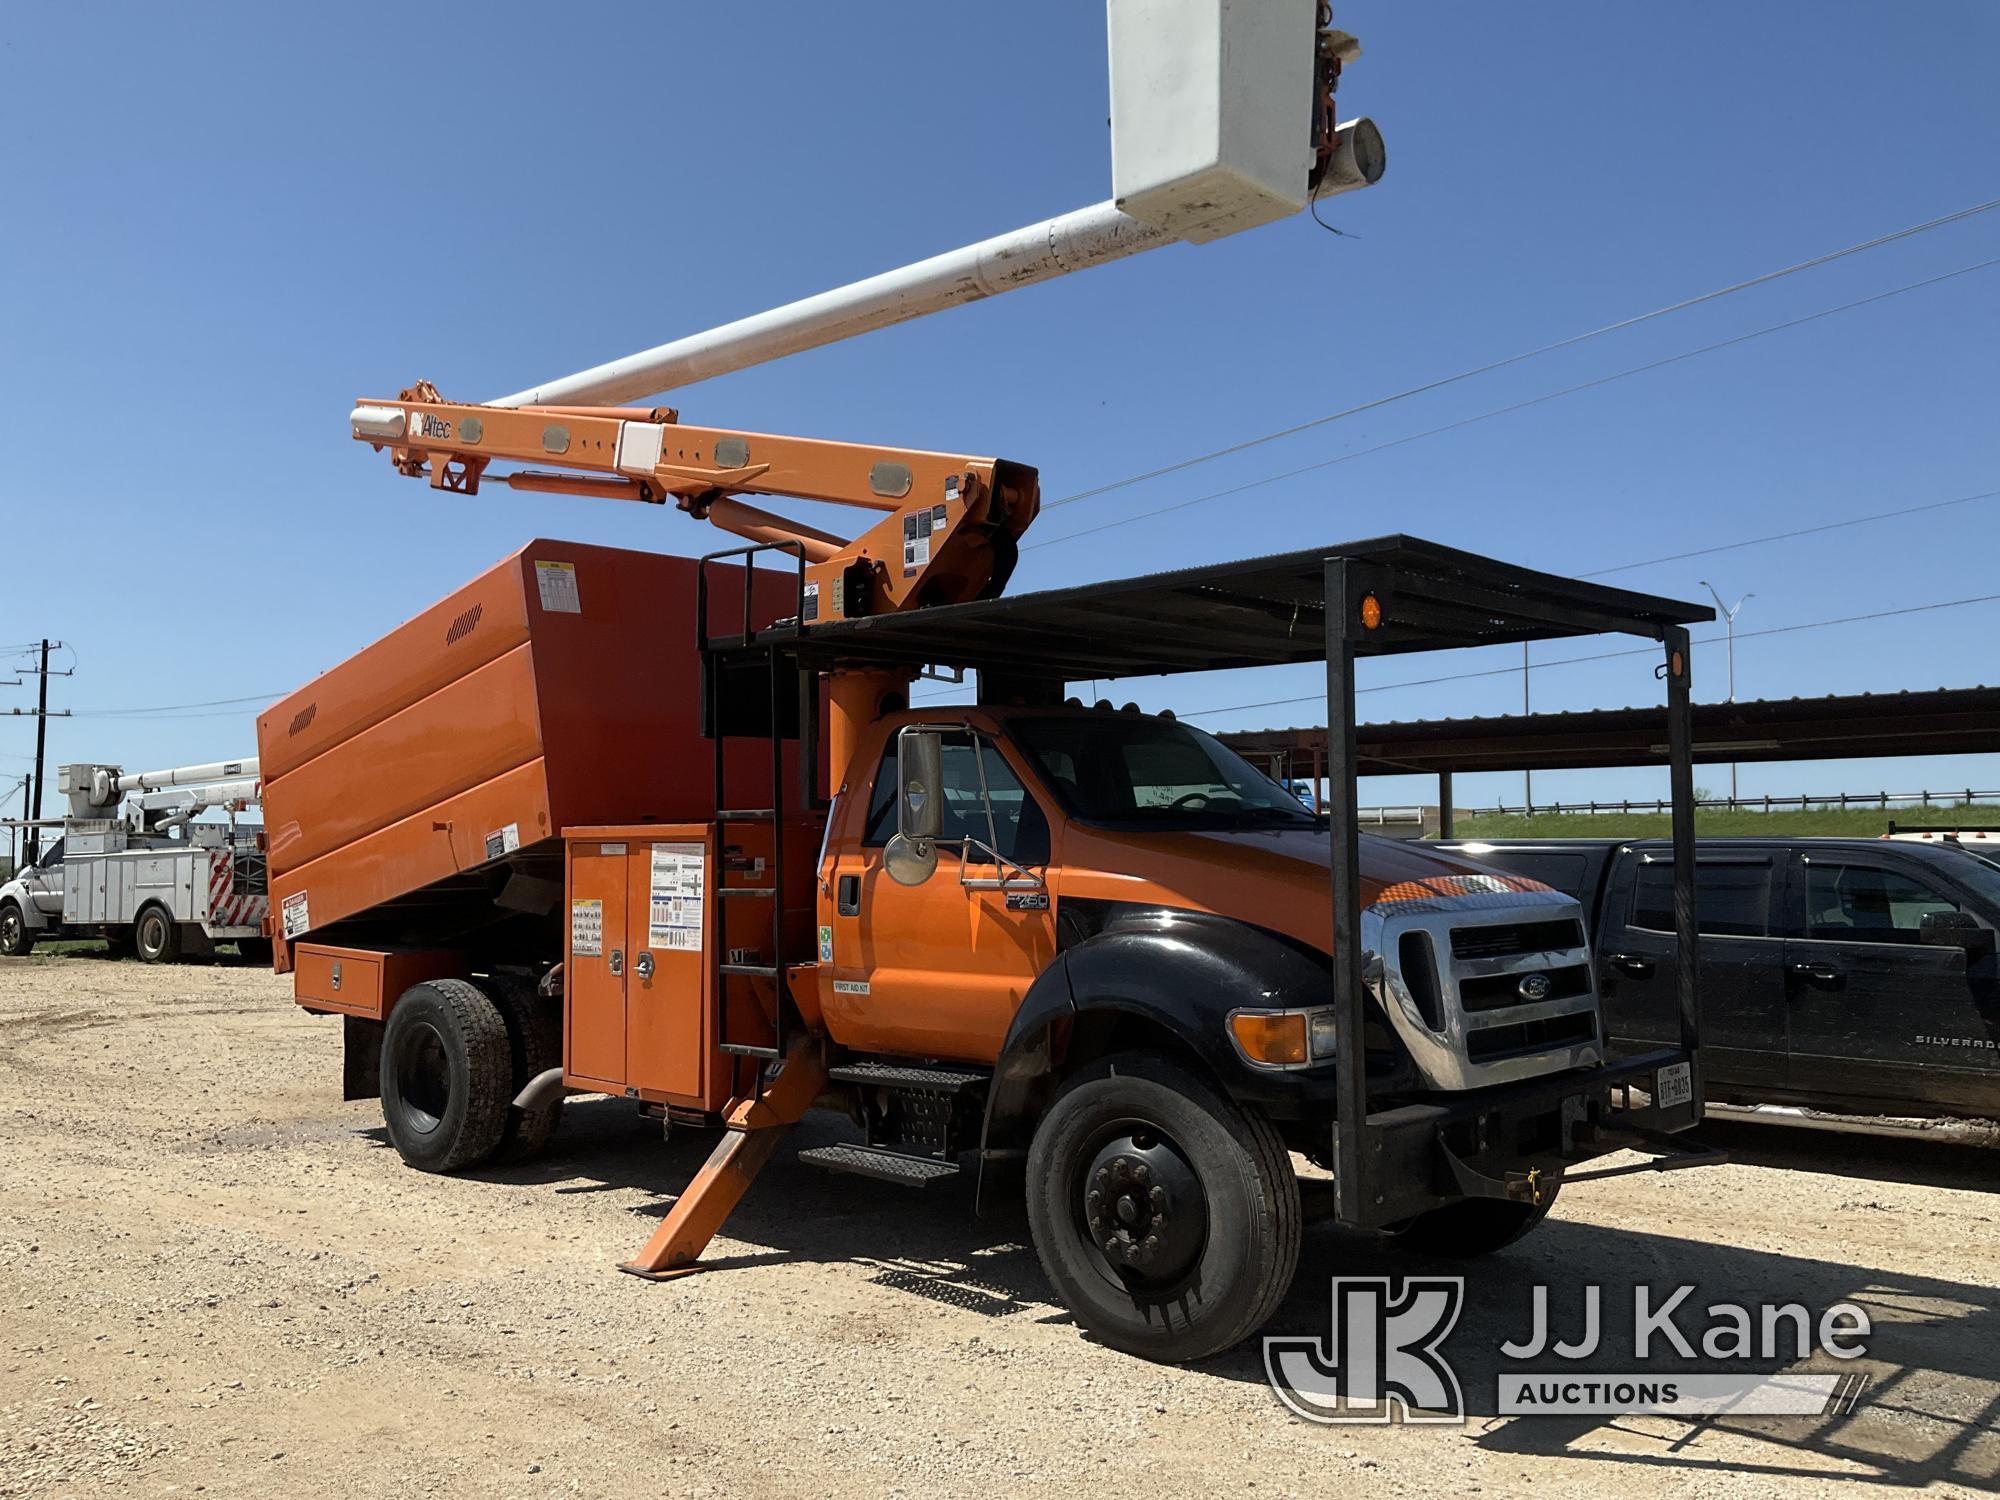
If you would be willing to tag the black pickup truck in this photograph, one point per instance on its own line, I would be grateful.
(1852, 975)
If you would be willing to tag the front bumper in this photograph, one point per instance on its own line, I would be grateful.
(1516, 1141)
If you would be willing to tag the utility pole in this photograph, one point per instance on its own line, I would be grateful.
(1729, 627)
(41, 712)
(41, 739)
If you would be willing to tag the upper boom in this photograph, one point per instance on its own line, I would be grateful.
(951, 532)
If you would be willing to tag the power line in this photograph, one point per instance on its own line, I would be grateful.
(1501, 411)
(1786, 536)
(1515, 359)
(1570, 661)
(167, 708)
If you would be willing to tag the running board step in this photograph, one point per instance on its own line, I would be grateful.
(885, 1166)
(937, 1078)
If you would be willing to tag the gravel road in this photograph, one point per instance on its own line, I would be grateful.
(219, 1279)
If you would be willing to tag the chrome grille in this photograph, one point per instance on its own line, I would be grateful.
(1465, 1018)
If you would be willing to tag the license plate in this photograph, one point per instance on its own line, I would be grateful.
(1674, 1085)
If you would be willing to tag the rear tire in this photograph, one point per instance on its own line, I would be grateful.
(16, 941)
(1473, 1227)
(1167, 1218)
(534, 1045)
(445, 1069)
(156, 936)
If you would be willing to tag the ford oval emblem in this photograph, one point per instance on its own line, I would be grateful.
(1535, 986)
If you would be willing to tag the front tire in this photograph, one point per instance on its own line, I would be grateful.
(16, 941)
(1473, 1227)
(445, 1070)
(156, 936)
(1167, 1218)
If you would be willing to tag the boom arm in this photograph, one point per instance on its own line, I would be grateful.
(950, 533)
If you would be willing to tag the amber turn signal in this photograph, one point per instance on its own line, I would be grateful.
(1277, 1037)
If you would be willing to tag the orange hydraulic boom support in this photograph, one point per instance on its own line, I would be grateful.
(950, 531)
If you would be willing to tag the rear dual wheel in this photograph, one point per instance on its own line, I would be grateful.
(156, 936)
(445, 1070)
(1167, 1218)
(454, 1055)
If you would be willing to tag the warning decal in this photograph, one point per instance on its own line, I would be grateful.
(586, 929)
(298, 920)
(916, 541)
(679, 872)
(557, 582)
(503, 841)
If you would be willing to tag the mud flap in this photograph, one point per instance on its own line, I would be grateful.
(361, 1058)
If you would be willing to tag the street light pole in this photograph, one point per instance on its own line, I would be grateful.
(1729, 630)
(1527, 776)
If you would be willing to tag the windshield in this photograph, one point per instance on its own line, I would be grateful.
(1128, 769)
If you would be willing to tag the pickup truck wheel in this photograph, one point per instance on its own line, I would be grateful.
(16, 941)
(1167, 1218)
(534, 1045)
(1473, 1227)
(157, 936)
(445, 1069)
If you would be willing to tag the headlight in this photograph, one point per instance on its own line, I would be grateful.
(1322, 1026)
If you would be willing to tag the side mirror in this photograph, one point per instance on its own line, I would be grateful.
(912, 857)
(1955, 929)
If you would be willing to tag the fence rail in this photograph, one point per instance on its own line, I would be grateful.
(1804, 803)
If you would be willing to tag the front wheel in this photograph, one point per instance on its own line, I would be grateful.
(1167, 1218)
(1473, 1227)
(16, 941)
(157, 936)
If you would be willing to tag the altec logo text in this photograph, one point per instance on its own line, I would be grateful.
(1383, 1359)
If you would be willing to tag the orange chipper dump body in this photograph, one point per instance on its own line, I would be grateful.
(416, 795)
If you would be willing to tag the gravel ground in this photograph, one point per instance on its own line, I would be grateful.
(219, 1279)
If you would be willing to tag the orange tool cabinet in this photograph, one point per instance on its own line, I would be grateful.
(637, 964)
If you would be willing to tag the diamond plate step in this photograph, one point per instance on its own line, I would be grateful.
(938, 1079)
(886, 1166)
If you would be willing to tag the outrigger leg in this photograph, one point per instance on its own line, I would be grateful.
(755, 1123)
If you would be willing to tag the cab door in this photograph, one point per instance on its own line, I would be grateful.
(1739, 933)
(938, 970)
(45, 886)
(1877, 1014)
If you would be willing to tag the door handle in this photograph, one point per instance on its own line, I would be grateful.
(1817, 973)
(617, 960)
(849, 900)
(643, 966)
(1631, 963)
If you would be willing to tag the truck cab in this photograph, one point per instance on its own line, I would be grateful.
(31, 904)
(1069, 831)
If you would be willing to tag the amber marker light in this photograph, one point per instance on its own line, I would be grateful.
(1273, 1038)
(1371, 612)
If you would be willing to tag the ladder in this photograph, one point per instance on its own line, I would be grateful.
(744, 696)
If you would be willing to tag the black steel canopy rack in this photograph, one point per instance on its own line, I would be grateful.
(1385, 596)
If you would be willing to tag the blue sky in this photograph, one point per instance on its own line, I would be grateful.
(224, 224)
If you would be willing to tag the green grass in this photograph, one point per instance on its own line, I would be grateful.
(1852, 822)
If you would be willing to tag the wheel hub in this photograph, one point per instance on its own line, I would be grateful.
(1145, 1208)
(423, 1078)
